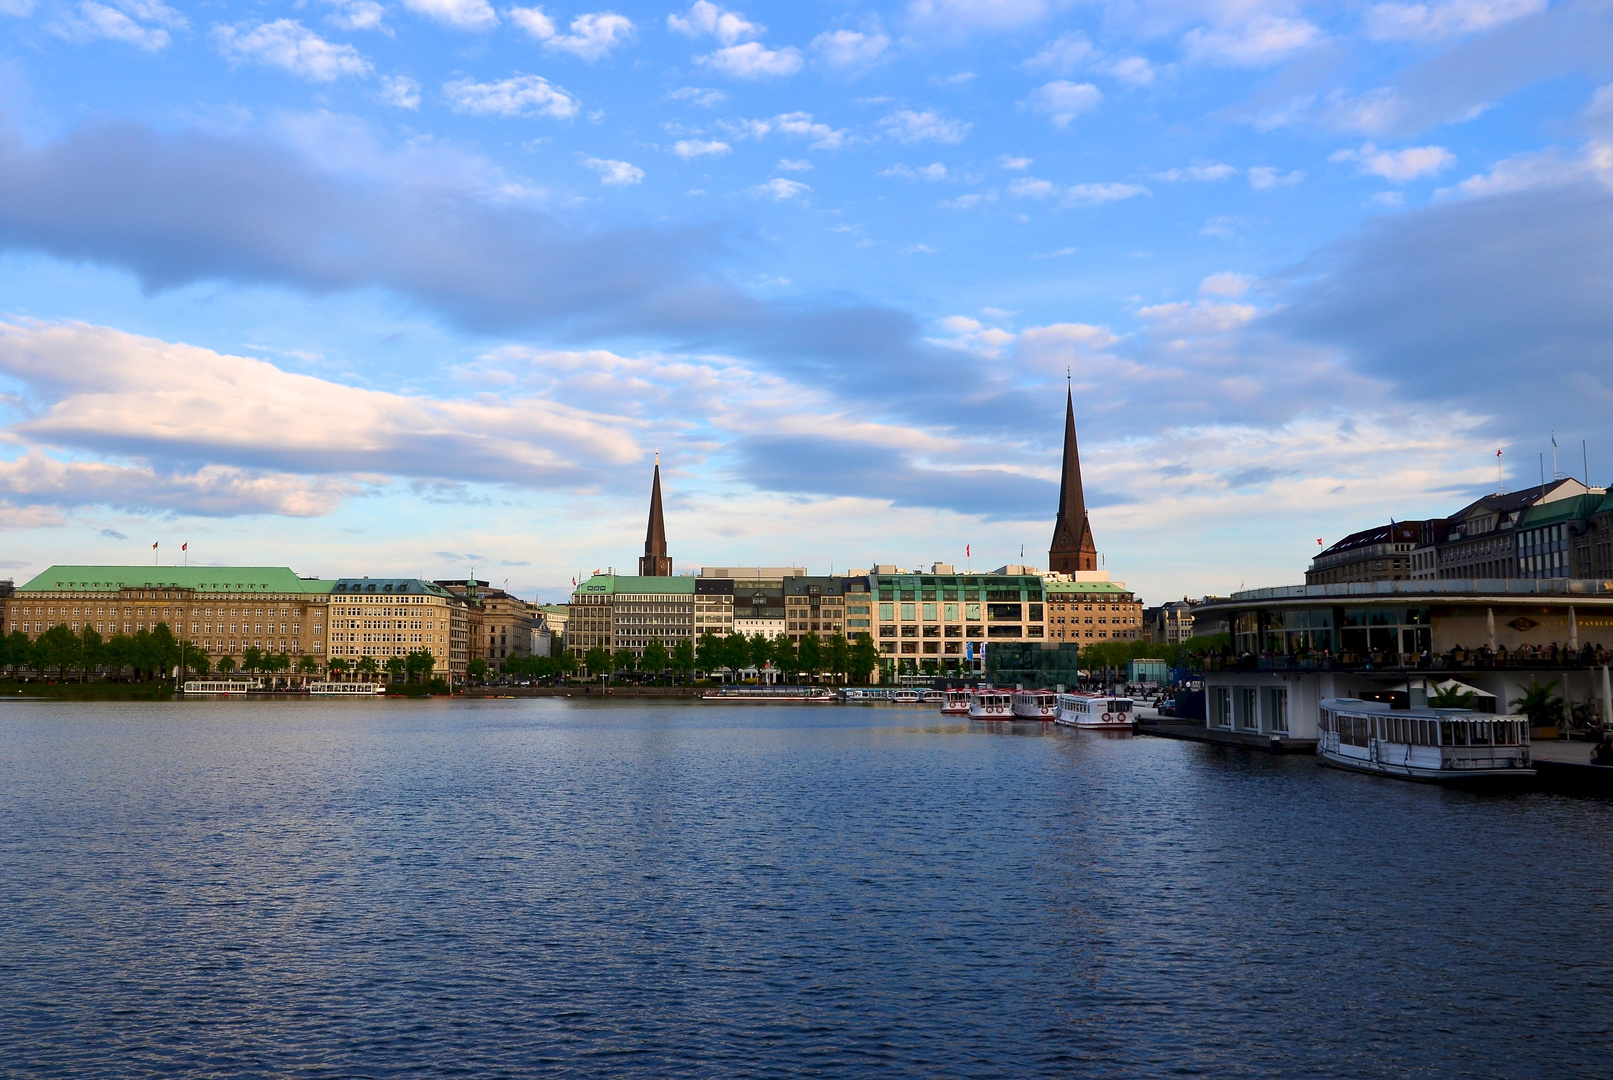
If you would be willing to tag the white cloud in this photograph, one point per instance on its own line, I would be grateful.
(909, 126)
(1199, 171)
(793, 165)
(400, 91)
(1264, 177)
(614, 173)
(1131, 70)
(696, 95)
(969, 201)
(1076, 194)
(693, 148)
(141, 23)
(357, 15)
(591, 37)
(1062, 101)
(846, 49)
(1063, 54)
(1226, 284)
(932, 172)
(781, 189)
(1049, 348)
(1263, 39)
(296, 445)
(286, 44)
(1397, 166)
(1203, 317)
(704, 18)
(1014, 163)
(961, 16)
(753, 60)
(800, 125)
(919, 249)
(1427, 22)
(1059, 254)
(968, 334)
(520, 95)
(463, 14)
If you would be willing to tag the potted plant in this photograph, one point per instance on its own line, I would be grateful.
(1543, 708)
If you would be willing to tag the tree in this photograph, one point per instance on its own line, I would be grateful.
(396, 666)
(337, 666)
(709, 651)
(197, 661)
(838, 655)
(16, 651)
(683, 658)
(863, 660)
(476, 669)
(1453, 697)
(567, 662)
(164, 650)
(226, 664)
(1540, 705)
(597, 661)
(656, 659)
(735, 652)
(366, 667)
(419, 664)
(785, 658)
(57, 648)
(811, 654)
(90, 648)
(307, 666)
(622, 660)
(252, 658)
(761, 651)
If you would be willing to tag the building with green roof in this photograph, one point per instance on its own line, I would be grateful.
(618, 611)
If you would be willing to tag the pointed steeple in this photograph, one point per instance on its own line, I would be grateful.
(1073, 547)
(655, 562)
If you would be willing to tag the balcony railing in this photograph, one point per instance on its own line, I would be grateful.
(1479, 587)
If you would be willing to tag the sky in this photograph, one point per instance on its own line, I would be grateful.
(423, 286)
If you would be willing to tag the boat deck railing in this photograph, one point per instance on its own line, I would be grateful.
(1454, 660)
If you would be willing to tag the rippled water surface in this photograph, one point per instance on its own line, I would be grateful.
(518, 888)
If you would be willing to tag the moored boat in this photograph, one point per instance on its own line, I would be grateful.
(222, 687)
(991, 705)
(905, 697)
(1098, 712)
(773, 694)
(955, 702)
(1436, 745)
(346, 689)
(934, 697)
(1035, 704)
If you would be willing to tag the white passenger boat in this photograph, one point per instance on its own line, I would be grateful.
(1439, 745)
(1098, 712)
(1035, 704)
(772, 694)
(346, 689)
(222, 687)
(905, 697)
(991, 705)
(956, 702)
(934, 697)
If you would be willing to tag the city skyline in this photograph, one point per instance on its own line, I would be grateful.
(422, 287)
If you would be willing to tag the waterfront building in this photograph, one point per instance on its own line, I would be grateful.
(1092, 609)
(1073, 549)
(757, 605)
(1554, 538)
(499, 624)
(1480, 541)
(941, 621)
(1598, 541)
(1171, 623)
(614, 612)
(219, 610)
(656, 562)
(714, 606)
(817, 605)
(386, 617)
(1294, 646)
(1381, 553)
(549, 626)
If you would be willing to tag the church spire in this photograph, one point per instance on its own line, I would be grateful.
(1073, 547)
(655, 562)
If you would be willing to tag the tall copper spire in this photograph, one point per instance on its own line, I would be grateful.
(1073, 547)
(656, 562)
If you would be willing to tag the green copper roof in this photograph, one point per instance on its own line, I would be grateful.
(616, 584)
(1574, 508)
(208, 579)
(1086, 588)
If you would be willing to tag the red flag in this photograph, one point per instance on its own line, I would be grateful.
(185, 546)
(966, 552)
(154, 546)
(1318, 541)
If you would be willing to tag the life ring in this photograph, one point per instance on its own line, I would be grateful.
(1108, 718)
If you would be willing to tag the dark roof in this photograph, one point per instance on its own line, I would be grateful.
(1392, 533)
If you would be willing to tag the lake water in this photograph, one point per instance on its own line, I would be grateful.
(541, 887)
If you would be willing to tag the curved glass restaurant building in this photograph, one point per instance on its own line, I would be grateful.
(1399, 641)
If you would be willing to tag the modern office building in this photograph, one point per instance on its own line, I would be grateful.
(619, 612)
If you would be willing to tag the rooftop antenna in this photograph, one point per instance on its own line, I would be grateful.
(1500, 486)
(1555, 474)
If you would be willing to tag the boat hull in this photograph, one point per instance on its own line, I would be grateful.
(1424, 774)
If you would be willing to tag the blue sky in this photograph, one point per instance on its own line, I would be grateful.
(415, 287)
